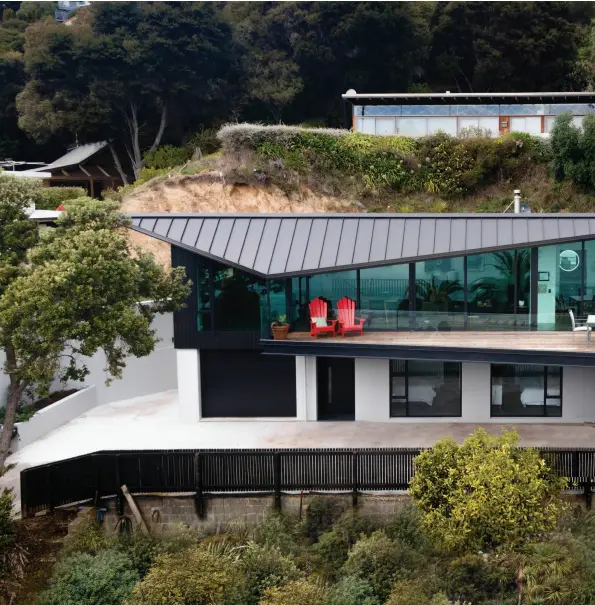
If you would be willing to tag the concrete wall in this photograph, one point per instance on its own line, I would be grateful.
(188, 374)
(55, 416)
(163, 512)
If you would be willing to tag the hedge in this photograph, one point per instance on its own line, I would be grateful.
(440, 164)
(49, 198)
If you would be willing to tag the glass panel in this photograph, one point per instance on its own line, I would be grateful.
(447, 125)
(489, 126)
(580, 109)
(278, 301)
(298, 313)
(553, 400)
(358, 110)
(522, 110)
(578, 121)
(398, 386)
(413, 127)
(383, 292)
(439, 289)
(366, 125)
(549, 122)
(589, 272)
(518, 390)
(203, 295)
(237, 299)
(426, 110)
(475, 110)
(531, 125)
(382, 110)
(559, 285)
(385, 126)
(332, 287)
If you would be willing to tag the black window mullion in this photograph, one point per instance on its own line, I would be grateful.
(358, 290)
(406, 389)
(581, 310)
(545, 369)
(211, 268)
(465, 292)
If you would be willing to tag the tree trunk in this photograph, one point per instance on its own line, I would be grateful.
(118, 165)
(14, 395)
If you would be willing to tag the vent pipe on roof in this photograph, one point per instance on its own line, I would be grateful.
(517, 201)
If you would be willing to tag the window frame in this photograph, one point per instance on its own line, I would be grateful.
(545, 395)
(407, 414)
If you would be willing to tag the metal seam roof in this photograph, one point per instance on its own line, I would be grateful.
(276, 245)
(75, 156)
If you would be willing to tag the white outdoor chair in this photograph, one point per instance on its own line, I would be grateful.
(578, 325)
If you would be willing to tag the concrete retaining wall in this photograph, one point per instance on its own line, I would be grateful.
(163, 512)
(54, 416)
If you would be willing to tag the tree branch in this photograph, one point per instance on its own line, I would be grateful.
(118, 165)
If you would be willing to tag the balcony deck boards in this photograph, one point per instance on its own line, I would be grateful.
(537, 341)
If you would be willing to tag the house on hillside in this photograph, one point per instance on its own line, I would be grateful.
(466, 318)
(90, 166)
(495, 114)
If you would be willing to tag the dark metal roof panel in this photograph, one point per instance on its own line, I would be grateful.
(566, 227)
(221, 238)
(458, 234)
(442, 236)
(136, 222)
(206, 235)
(315, 243)
(427, 230)
(177, 229)
(330, 247)
(267, 245)
(251, 242)
(148, 224)
(411, 237)
(379, 240)
(363, 242)
(282, 247)
(347, 242)
(301, 236)
(236, 239)
(191, 232)
(394, 245)
(162, 226)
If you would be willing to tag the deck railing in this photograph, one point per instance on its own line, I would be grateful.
(92, 476)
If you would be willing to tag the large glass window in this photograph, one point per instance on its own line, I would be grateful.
(440, 293)
(526, 390)
(384, 296)
(425, 388)
(499, 289)
(559, 287)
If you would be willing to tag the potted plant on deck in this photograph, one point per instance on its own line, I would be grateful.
(280, 328)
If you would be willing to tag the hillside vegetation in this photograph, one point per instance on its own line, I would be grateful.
(295, 169)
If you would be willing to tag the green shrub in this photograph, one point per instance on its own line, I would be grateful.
(486, 493)
(476, 578)
(321, 513)
(380, 561)
(278, 530)
(88, 537)
(352, 591)
(82, 579)
(13, 557)
(406, 526)
(300, 592)
(265, 567)
(566, 150)
(409, 592)
(49, 198)
(166, 156)
(206, 140)
(190, 577)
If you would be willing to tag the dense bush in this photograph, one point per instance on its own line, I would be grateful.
(82, 579)
(88, 536)
(190, 577)
(265, 567)
(206, 140)
(166, 156)
(321, 513)
(279, 530)
(380, 561)
(12, 556)
(49, 198)
(410, 592)
(439, 164)
(300, 592)
(352, 591)
(486, 493)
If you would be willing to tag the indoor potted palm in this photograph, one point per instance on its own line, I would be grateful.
(280, 328)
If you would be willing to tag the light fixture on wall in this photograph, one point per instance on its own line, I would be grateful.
(569, 260)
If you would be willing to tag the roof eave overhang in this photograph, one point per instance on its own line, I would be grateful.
(462, 354)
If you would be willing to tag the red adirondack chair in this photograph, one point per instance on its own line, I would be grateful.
(347, 318)
(319, 324)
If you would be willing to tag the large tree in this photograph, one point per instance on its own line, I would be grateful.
(70, 292)
(123, 70)
(504, 46)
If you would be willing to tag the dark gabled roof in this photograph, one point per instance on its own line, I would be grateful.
(74, 157)
(467, 98)
(276, 245)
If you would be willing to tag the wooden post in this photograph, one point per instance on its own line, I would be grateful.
(277, 479)
(198, 501)
(135, 510)
(354, 467)
(92, 189)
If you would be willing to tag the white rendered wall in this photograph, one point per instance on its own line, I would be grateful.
(188, 361)
(372, 390)
(305, 388)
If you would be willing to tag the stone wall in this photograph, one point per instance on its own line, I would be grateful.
(165, 511)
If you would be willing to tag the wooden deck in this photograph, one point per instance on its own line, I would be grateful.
(536, 341)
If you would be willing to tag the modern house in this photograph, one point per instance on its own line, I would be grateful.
(90, 166)
(493, 113)
(467, 317)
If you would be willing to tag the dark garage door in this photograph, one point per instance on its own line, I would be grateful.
(246, 384)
